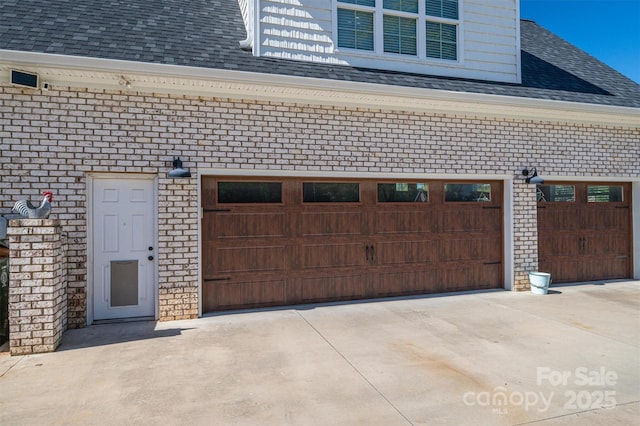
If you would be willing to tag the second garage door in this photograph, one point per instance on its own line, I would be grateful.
(290, 241)
(584, 230)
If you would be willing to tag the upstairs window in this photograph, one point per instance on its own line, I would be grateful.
(355, 29)
(413, 28)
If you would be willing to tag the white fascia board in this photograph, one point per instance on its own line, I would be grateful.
(75, 71)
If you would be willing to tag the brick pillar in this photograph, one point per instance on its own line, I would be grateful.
(37, 286)
(525, 233)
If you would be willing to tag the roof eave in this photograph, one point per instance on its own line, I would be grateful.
(87, 72)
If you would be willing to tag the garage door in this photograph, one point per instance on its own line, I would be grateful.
(290, 241)
(584, 231)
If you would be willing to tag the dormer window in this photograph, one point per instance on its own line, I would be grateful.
(415, 28)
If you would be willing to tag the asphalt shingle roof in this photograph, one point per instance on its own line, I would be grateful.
(205, 33)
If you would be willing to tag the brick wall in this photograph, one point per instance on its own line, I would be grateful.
(525, 233)
(177, 248)
(37, 287)
(52, 140)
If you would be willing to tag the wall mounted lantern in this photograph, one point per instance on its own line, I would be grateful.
(178, 171)
(532, 176)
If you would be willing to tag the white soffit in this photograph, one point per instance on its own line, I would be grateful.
(79, 72)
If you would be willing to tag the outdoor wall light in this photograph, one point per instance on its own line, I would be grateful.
(178, 171)
(532, 176)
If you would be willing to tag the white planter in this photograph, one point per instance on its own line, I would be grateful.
(539, 282)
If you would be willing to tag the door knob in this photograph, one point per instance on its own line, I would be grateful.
(150, 257)
(150, 248)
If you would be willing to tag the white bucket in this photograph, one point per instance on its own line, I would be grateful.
(539, 282)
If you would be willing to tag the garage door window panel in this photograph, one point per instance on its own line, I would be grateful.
(556, 193)
(403, 192)
(249, 192)
(330, 192)
(605, 194)
(467, 192)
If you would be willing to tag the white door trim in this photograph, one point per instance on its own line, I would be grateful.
(91, 177)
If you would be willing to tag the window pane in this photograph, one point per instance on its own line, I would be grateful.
(441, 41)
(476, 192)
(403, 192)
(604, 194)
(330, 192)
(371, 3)
(402, 5)
(355, 29)
(249, 192)
(442, 8)
(399, 35)
(556, 193)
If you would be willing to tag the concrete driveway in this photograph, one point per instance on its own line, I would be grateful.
(479, 358)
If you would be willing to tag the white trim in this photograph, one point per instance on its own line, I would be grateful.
(557, 178)
(70, 71)
(256, 27)
(200, 219)
(635, 225)
(349, 175)
(89, 252)
(508, 235)
(518, 45)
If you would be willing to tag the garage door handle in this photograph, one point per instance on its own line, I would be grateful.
(218, 279)
(369, 253)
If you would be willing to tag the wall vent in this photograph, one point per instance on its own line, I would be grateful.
(25, 79)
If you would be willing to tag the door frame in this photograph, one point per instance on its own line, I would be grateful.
(91, 178)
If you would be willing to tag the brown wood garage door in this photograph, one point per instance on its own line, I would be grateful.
(290, 241)
(584, 231)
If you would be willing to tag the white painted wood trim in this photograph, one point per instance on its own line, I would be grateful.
(508, 234)
(200, 219)
(89, 252)
(518, 45)
(635, 189)
(350, 175)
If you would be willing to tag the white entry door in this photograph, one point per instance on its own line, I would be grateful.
(123, 248)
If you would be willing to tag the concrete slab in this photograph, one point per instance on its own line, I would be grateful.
(496, 357)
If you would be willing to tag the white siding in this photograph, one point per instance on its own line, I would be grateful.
(304, 30)
(244, 9)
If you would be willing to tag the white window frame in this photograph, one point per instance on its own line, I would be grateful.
(421, 43)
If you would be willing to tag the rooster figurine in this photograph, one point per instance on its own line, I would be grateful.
(26, 209)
